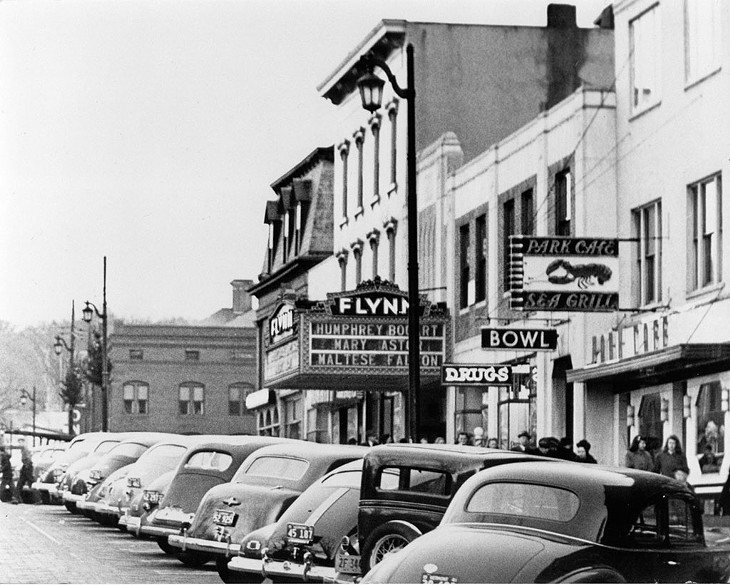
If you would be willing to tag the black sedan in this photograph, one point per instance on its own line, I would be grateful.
(564, 522)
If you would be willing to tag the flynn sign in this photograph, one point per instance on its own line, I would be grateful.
(355, 340)
(563, 274)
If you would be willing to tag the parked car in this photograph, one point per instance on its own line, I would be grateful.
(328, 511)
(142, 504)
(393, 513)
(564, 522)
(122, 454)
(80, 446)
(266, 484)
(205, 465)
(99, 492)
(157, 460)
(43, 457)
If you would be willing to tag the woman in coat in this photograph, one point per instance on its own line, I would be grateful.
(671, 458)
(637, 457)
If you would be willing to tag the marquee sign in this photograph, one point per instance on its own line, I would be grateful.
(281, 323)
(476, 375)
(564, 274)
(358, 340)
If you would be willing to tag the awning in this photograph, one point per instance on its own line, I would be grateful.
(672, 363)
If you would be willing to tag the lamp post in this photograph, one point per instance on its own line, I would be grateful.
(371, 93)
(88, 313)
(59, 346)
(24, 397)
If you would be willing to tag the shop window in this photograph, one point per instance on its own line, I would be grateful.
(191, 398)
(237, 398)
(647, 226)
(293, 419)
(705, 206)
(268, 421)
(317, 420)
(136, 396)
(646, 55)
(650, 421)
(710, 427)
(703, 42)
(516, 406)
(471, 409)
(481, 259)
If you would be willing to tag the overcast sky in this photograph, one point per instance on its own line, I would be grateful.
(150, 132)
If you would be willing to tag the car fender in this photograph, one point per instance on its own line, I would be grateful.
(593, 575)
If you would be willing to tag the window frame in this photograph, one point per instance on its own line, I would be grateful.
(190, 402)
(133, 408)
(705, 256)
(647, 283)
(647, 60)
(698, 65)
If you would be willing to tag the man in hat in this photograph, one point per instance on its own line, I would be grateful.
(523, 443)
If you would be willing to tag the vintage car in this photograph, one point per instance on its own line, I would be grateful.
(142, 504)
(564, 522)
(43, 457)
(126, 452)
(157, 460)
(98, 494)
(306, 540)
(406, 489)
(267, 483)
(203, 466)
(79, 447)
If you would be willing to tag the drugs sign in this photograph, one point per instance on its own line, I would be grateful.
(476, 375)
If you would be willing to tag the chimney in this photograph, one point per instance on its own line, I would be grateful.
(241, 298)
(561, 16)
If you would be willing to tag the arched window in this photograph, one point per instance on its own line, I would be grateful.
(191, 398)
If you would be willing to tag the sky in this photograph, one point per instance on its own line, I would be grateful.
(150, 131)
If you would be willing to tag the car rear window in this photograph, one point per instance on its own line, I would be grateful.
(411, 479)
(278, 467)
(212, 460)
(166, 455)
(105, 446)
(350, 479)
(525, 500)
(128, 450)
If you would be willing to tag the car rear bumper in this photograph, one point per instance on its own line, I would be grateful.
(276, 569)
(157, 531)
(184, 542)
(75, 498)
(107, 510)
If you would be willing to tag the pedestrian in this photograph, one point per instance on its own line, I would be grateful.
(26, 470)
(478, 437)
(6, 476)
(671, 458)
(371, 440)
(493, 443)
(681, 476)
(440, 440)
(523, 443)
(565, 450)
(638, 457)
(583, 452)
(548, 447)
(462, 438)
(708, 461)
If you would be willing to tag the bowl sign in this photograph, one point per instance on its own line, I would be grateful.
(532, 339)
(476, 374)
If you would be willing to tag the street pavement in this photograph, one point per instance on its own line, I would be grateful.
(47, 544)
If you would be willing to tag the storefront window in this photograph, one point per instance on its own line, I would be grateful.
(650, 422)
(710, 427)
(517, 409)
(269, 422)
(293, 419)
(470, 409)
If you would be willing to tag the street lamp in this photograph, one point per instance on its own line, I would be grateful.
(371, 93)
(88, 313)
(59, 345)
(24, 397)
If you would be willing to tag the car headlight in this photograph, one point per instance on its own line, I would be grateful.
(134, 482)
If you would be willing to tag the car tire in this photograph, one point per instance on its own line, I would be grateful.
(194, 559)
(228, 576)
(45, 498)
(384, 540)
(164, 545)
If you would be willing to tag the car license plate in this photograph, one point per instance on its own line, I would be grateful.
(433, 578)
(224, 517)
(348, 564)
(151, 497)
(300, 533)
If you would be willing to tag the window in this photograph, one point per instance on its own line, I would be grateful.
(425, 481)
(517, 404)
(542, 502)
(527, 200)
(359, 137)
(192, 355)
(650, 421)
(647, 225)
(357, 255)
(277, 467)
(293, 418)
(192, 398)
(269, 421)
(342, 261)
(392, 108)
(136, 398)
(237, 399)
(131, 450)
(481, 259)
(136, 354)
(274, 232)
(705, 215)
(344, 151)
(464, 270)
(710, 427)
(681, 523)
(645, 59)
(317, 425)
(374, 239)
(390, 228)
(375, 127)
(214, 460)
(508, 229)
(563, 202)
(470, 409)
(703, 38)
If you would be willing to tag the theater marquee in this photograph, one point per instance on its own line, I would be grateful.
(358, 340)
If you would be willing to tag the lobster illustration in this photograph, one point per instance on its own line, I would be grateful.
(563, 272)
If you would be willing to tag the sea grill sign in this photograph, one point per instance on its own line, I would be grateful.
(358, 340)
(564, 274)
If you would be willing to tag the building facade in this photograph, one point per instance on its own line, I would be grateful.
(186, 378)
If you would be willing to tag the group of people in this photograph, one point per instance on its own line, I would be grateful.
(670, 461)
(546, 446)
(9, 492)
